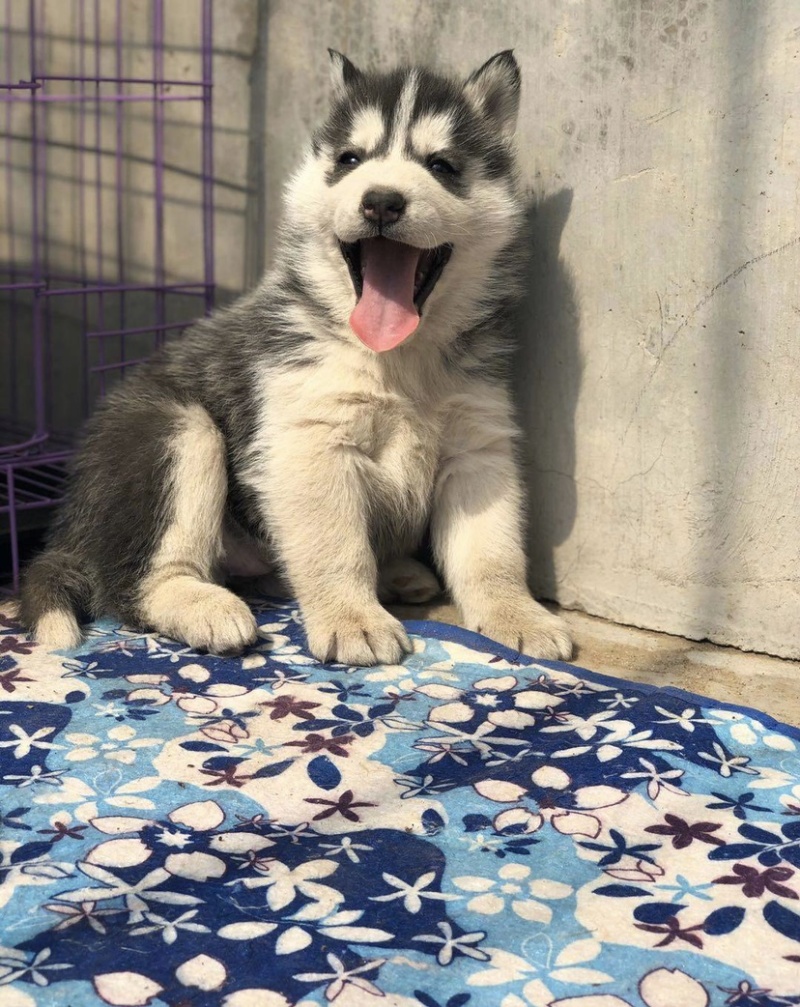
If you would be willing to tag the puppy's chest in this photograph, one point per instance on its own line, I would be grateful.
(399, 442)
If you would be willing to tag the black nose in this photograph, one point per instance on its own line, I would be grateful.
(383, 206)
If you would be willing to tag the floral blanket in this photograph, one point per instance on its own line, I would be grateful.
(470, 828)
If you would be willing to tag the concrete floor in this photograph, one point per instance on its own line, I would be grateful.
(768, 684)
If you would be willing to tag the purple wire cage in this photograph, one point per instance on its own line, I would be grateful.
(106, 218)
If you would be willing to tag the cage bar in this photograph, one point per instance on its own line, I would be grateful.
(86, 293)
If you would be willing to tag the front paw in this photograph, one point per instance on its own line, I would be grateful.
(362, 638)
(526, 627)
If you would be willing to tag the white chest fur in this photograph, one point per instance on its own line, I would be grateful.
(384, 421)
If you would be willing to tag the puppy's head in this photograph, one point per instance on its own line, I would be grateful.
(410, 191)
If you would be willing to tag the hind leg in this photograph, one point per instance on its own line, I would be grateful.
(409, 581)
(178, 597)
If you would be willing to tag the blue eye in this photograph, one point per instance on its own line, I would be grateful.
(349, 158)
(441, 167)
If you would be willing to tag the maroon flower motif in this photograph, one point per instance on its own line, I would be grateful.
(395, 698)
(552, 716)
(8, 679)
(343, 806)
(61, 831)
(227, 775)
(754, 882)
(684, 835)
(284, 706)
(257, 861)
(313, 743)
(255, 822)
(15, 645)
(673, 931)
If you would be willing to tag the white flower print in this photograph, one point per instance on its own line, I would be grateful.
(136, 894)
(728, 764)
(110, 790)
(169, 928)
(482, 739)
(620, 734)
(15, 965)
(110, 709)
(341, 976)
(569, 965)
(283, 883)
(348, 847)
(411, 893)
(657, 779)
(514, 887)
(585, 727)
(685, 719)
(465, 943)
(619, 701)
(160, 648)
(172, 837)
(23, 743)
(84, 669)
(120, 745)
(37, 776)
(482, 843)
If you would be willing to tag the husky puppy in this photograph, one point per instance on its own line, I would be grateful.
(322, 422)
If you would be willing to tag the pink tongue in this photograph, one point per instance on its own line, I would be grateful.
(385, 315)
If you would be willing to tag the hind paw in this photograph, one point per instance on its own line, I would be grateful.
(409, 581)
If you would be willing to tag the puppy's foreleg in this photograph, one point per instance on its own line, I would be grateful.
(317, 512)
(477, 536)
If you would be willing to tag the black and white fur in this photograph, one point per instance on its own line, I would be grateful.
(270, 437)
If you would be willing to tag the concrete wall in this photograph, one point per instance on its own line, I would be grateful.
(660, 367)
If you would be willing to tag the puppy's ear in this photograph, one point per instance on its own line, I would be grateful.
(343, 73)
(493, 91)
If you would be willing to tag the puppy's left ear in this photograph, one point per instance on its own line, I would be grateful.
(494, 90)
(343, 73)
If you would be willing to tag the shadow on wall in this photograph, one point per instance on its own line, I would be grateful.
(547, 381)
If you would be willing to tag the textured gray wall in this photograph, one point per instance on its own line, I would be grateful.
(660, 366)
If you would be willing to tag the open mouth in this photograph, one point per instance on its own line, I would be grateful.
(392, 281)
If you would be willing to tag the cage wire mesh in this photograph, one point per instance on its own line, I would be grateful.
(106, 219)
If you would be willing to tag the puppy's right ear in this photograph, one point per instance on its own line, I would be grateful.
(343, 73)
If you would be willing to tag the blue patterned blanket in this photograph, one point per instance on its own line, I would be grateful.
(470, 828)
